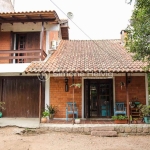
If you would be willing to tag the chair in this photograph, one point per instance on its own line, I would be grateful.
(69, 109)
(119, 109)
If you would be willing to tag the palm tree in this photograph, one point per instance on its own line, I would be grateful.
(6, 6)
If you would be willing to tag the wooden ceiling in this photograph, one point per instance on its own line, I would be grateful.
(35, 16)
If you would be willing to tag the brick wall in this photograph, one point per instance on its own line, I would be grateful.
(5, 44)
(136, 89)
(59, 97)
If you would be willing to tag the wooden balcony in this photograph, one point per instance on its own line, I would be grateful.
(21, 56)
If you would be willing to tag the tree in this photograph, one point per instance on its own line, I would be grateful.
(138, 32)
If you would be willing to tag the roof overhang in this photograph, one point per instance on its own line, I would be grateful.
(35, 16)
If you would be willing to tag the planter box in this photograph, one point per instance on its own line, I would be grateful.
(77, 121)
(147, 120)
(120, 121)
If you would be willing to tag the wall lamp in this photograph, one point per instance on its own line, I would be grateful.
(66, 84)
(129, 78)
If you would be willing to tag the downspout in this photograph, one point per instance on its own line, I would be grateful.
(127, 95)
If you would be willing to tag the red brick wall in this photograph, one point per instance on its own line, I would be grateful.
(136, 89)
(5, 40)
(5, 44)
(59, 97)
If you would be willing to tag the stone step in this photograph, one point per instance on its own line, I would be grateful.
(104, 133)
(102, 129)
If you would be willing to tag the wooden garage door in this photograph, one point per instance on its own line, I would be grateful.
(21, 96)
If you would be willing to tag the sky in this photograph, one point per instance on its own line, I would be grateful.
(93, 19)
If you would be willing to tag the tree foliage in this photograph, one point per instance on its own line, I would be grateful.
(138, 32)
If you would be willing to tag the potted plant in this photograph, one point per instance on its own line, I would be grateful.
(122, 84)
(44, 116)
(52, 110)
(1, 107)
(144, 112)
(120, 119)
(75, 86)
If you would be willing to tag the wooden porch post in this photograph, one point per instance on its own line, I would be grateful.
(41, 40)
(0, 27)
(127, 95)
(40, 99)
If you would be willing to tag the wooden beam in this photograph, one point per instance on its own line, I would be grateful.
(20, 51)
(0, 27)
(27, 20)
(42, 36)
(2, 18)
(16, 18)
(127, 95)
(41, 17)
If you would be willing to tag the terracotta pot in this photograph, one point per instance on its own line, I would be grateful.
(43, 120)
(120, 121)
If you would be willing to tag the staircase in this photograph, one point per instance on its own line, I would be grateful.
(103, 132)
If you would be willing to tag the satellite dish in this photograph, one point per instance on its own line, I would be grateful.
(70, 15)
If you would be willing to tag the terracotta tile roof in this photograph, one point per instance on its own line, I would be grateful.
(88, 56)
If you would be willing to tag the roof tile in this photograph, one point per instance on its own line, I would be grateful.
(89, 56)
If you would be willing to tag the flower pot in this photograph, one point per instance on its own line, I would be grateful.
(51, 116)
(120, 121)
(43, 120)
(147, 119)
(77, 121)
(1, 114)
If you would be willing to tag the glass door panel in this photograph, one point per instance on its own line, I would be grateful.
(104, 100)
(93, 101)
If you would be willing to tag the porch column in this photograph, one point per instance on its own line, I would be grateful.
(40, 99)
(127, 95)
(41, 40)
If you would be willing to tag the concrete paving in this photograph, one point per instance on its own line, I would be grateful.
(20, 122)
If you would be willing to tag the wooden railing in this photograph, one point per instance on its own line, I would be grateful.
(21, 56)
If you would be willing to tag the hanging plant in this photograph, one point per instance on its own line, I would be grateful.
(76, 85)
(122, 84)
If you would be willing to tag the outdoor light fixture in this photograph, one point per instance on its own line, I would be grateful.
(129, 79)
(66, 85)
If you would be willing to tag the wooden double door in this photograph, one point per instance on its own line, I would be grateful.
(98, 98)
(21, 96)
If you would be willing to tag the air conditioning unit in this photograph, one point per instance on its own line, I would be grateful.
(54, 44)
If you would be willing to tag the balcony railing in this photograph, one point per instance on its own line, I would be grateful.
(21, 56)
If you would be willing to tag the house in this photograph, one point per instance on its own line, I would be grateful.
(38, 64)
(26, 37)
(105, 70)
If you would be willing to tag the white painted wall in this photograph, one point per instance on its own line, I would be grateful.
(12, 68)
(27, 27)
(47, 92)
